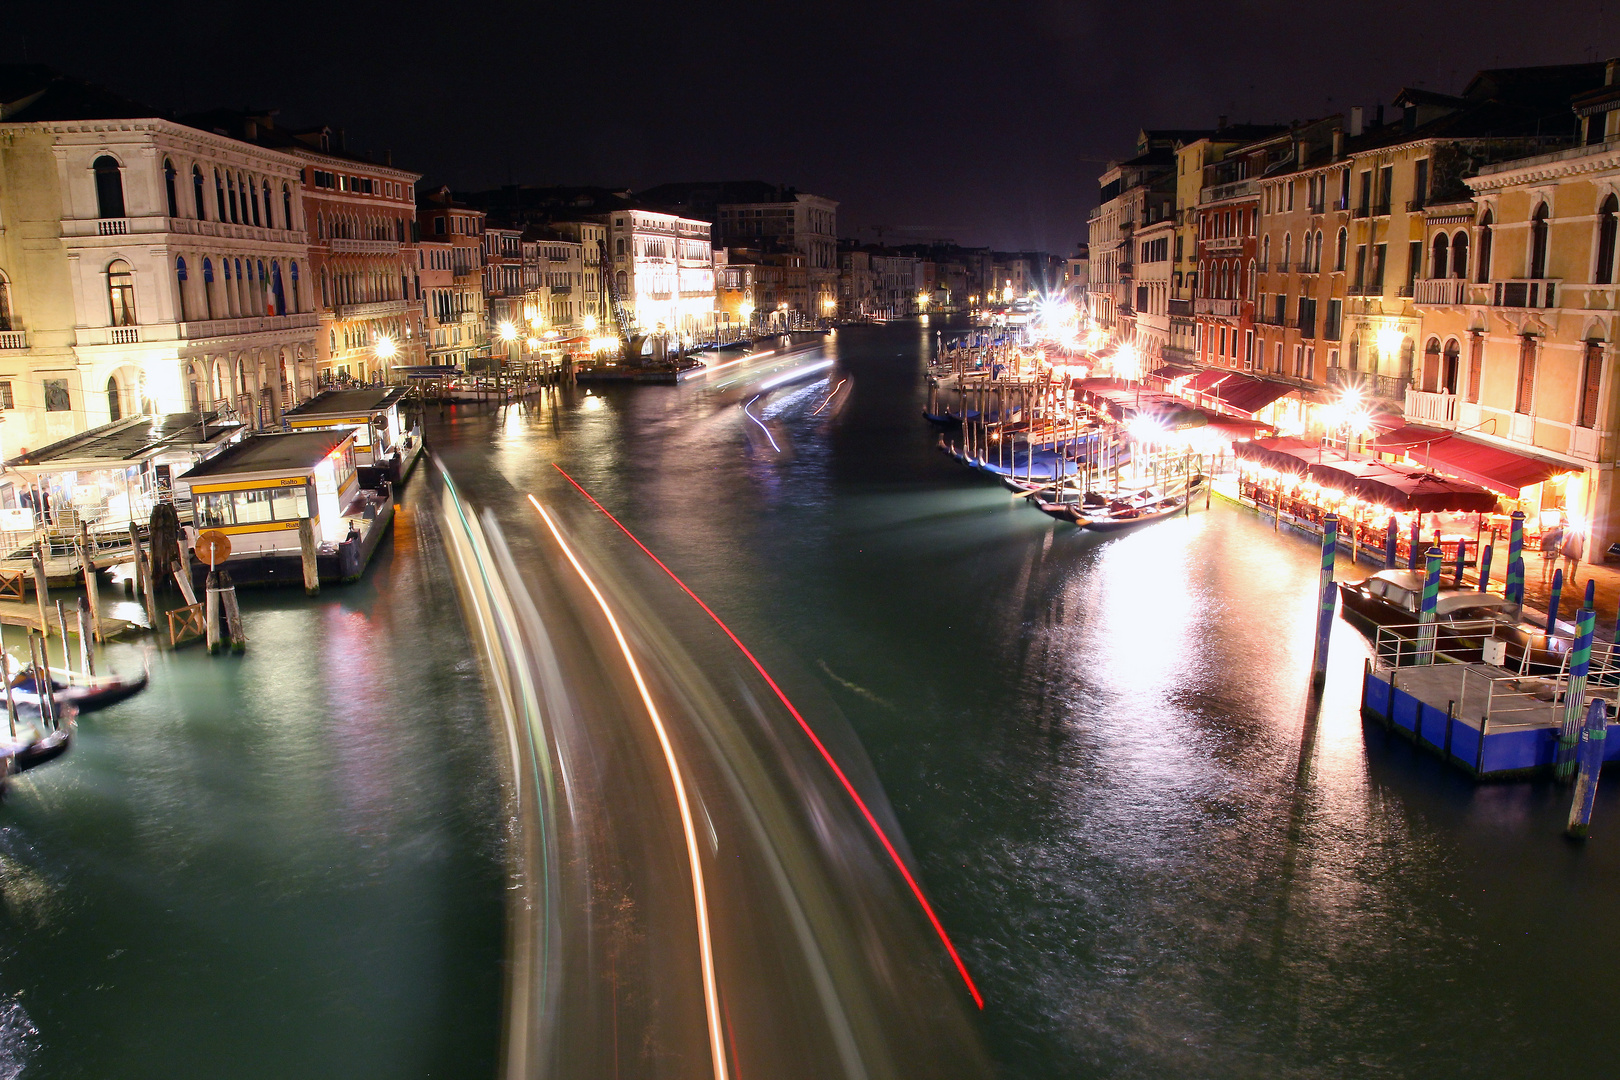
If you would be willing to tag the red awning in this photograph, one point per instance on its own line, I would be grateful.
(1394, 486)
(1495, 467)
(1250, 395)
(1204, 380)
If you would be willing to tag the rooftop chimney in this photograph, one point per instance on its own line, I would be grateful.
(388, 157)
(250, 129)
(1609, 70)
(1380, 122)
(1338, 143)
(1356, 113)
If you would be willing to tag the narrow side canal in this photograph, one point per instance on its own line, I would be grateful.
(286, 864)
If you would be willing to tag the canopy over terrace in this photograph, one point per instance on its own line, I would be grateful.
(1364, 477)
(1124, 401)
(1494, 467)
(113, 474)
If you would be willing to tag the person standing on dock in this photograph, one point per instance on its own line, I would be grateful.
(1571, 546)
(1552, 542)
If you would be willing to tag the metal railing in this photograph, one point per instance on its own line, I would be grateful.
(1525, 292)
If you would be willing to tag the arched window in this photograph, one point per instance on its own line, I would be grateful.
(278, 296)
(115, 407)
(230, 190)
(1459, 255)
(5, 303)
(1451, 367)
(1482, 264)
(197, 193)
(1538, 242)
(208, 286)
(293, 296)
(1440, 257)
(1265, 251)
(1342, 246)
(109, 187)
(269, 218)
(169, 189)
(250, 200)
(286, 207)
(1305, 251)
(1288, 250)
(618, 247)
(219, 198)
(1316, 258)
(1408, 352)
(180, 284)
(264, 303)
(326, 295)
(1253, 281)
(121, 293)
(1604, 272)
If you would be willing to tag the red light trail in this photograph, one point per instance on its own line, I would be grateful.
(888, 846)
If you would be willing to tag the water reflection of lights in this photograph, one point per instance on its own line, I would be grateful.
(796, 373)
(711, 996)
(821, 748)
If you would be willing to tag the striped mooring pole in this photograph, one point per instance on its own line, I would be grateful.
(1580, 663)
(1431, 599)
(1485, 567)
(1417, 543)
(1391, 539)
(1591, 758)
(1462, 553)
(1554, 600)
(1326, 594)
(1513, 591)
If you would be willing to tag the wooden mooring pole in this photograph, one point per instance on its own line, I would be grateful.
(42, 591)
(306, 547)
(92, 587)
(87, 658)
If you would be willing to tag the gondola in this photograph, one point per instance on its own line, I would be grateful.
(1131, 516)
(24, 752)
(95, 693)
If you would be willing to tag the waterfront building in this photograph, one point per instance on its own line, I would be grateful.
(146, 266)
(734, 284)
(362, 233)
(1514, 384)
(772, 219)
(857, 289)
(663, 270)
(593, 304)
(458, 332)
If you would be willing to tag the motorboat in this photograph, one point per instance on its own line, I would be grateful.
(1464, 618)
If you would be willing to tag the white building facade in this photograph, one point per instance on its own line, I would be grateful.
(148, 267)
(663, 268)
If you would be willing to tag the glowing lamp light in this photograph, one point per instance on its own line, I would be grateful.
(507, 331)
(1550, 518)
(603, 344)
(1389, 340)
(386, 348)
(1145, 429)
(533, 343)
(589, 324)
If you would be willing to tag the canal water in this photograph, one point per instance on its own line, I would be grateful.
(1157, 858)
(284, 864)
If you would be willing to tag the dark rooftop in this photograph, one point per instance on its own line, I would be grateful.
(33, 92)
(268, 453)
(131, 439)
(348, 402)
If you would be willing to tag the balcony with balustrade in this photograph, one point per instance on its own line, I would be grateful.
(1440, 291)
(1525, 292)
(1434, 409)
(13, 339)
(1210, 305)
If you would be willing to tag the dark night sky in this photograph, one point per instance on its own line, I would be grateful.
(982, 122)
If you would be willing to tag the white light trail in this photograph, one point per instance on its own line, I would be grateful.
(762, 427)
(711, 995)
(796, 373)
(740, 360)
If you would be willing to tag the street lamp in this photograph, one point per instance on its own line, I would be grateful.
(509, 335)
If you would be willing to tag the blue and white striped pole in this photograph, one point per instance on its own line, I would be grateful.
(1580, 663)
(1391, 538)
(1514, 590)
(1591, 756)
(1326, 594)
(1431, 600)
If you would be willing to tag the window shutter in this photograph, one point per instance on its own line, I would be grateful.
(1476, 364)
(1527, 374)
(1591, 383)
